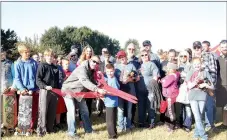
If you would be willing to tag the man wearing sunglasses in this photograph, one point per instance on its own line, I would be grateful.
(81, 80)
(210, 65)
(221, 89)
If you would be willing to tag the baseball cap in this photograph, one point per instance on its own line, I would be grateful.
(146, 43)
(121, 54)
(197, 44)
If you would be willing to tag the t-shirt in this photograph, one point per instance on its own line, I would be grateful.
(111, 101)
(121, 73)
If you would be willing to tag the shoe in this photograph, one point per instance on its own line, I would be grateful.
(40, 134)
(75, 137)
(132, 126)
(100, 114)
(151, 126)
(95, 132)
(187, 130)
(81, 124)
(120, 130)
(112, 138)
(129, 130)
(170, 130)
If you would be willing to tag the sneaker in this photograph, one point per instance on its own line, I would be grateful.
(132, 126)
(187, 130)
(75, 137)
(170, 130)
(120, 130)
(151, 126)
(81, 124)
(95, 132)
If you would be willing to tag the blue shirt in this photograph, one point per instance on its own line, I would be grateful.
(72, 66)
(111, 101)
(25, 74)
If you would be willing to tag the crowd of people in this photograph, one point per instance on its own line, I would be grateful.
(194, 78)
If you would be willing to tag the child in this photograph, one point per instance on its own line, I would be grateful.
(61, 108)
(127, 85)
(65, 66)
(47, 78)
(111, 102)
(198, 82)
(25, 75)
(170, 90)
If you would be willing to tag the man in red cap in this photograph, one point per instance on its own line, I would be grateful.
(123, 69)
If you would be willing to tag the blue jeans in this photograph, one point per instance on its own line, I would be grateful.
(71, 120)
(124, 114)
(210, 111)
(151, 110)
(186, 115)
(197, 109)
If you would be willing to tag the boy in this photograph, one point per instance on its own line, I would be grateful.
(47, 78)
(127, 85)
(111, 102)
(65, 66)
(25, 70)
(60, 103)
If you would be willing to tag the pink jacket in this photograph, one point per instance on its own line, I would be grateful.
(170, 88)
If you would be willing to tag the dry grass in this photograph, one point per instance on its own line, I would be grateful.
(158, 133)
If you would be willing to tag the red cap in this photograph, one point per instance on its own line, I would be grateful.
(121, 54)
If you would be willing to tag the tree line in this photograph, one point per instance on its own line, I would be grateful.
(61, 41)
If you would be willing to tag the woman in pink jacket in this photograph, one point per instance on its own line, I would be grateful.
(170, 90)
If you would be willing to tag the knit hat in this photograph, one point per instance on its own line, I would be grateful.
(172, 66)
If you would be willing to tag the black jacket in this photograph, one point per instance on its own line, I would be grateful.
(47, 75)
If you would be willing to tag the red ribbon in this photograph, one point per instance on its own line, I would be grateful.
(103, 85)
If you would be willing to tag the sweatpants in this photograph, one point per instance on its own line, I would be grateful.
(111, 121)
(47, 111)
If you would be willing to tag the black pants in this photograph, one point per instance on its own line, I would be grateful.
(47, 111)
(133, 113)
(111, 121)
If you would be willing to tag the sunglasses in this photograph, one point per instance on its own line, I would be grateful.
(183, 56)
(95, 62)
(131, 49)
(144, 55)
(73, 55)
(196, 47)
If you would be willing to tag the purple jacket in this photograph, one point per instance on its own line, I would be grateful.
(170, 88)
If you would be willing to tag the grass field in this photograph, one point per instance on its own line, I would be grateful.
(158, 133)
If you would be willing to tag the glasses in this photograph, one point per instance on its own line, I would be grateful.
(95, 62)
(144, 55)
(196, 47)
(73, 55)
(183, 56)
(131, 49)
